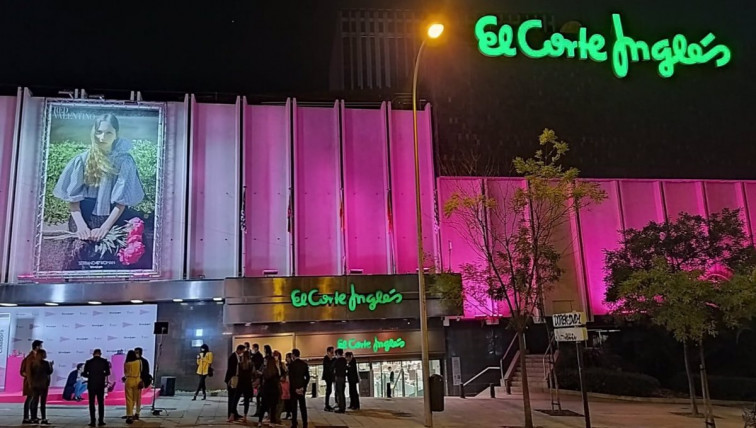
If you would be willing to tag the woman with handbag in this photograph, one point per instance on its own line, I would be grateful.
(204, 370)
(133, 384)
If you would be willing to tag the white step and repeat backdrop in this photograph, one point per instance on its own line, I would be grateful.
(71, 333)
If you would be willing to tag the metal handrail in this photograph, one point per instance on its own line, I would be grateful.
(547, 372)
(480, 374)
(509, 348)
(510, 372)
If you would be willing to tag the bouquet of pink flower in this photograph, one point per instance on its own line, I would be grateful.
(124, 241)
(134, 248)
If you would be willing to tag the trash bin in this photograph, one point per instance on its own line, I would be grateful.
(436, 384)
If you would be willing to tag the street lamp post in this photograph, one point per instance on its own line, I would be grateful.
(434, 31)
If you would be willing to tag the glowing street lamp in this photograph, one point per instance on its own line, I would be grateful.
(434, 31)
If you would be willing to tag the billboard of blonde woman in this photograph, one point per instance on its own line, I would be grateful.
(100, 196)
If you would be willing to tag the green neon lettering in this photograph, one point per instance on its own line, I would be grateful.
(298, 299)
(488, 40)
(352, 300)
(666, 52)
(522, 34)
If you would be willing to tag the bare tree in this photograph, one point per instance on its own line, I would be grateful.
(513, 235)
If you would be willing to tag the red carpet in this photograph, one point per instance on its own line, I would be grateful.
(55, 397)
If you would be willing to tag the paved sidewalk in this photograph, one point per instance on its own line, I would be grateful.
(401, 413)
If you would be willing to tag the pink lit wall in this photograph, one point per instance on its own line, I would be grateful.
(684, 196)
(267, 190)
(213, 191)
(459, 244)
(318, 238)
(8, 114)
(629, 204)
(403, 189)
(366, 187)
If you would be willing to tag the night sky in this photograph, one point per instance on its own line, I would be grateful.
(698, 124)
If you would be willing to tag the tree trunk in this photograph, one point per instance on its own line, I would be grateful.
(691, 381)
(524, 371)
(705, 388)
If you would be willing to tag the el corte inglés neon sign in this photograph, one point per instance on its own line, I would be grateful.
(353, 299)
(376, 345)
(668, 53)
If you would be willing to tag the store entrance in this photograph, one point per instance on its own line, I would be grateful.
(399, 378)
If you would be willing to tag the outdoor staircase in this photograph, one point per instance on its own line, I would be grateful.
(536, 380)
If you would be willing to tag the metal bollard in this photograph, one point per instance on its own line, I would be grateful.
(493, 391)
(314, 390)
(462, 391)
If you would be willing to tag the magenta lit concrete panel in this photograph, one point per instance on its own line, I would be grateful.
(318, 237)
(365, 160)
(8, 112)
(641, 203)
(502, 221)
(749, 190)
(402, 174)
(462, 244)
(683, 196)
(599, 226)
(213, 250)
(267, 170)
(726, 194)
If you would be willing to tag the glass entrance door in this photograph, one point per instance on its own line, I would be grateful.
(401, 378)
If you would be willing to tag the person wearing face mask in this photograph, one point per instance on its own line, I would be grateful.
(204, 370)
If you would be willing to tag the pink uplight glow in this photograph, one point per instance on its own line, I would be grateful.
(629, 204)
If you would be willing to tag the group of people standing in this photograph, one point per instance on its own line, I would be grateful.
(276, 384)
(338, 370)
(91, 376)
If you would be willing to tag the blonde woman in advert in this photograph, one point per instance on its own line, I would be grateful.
(204, 369)
(99, 185)
(132, 373)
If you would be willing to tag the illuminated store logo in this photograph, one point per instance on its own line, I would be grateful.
(667, 52)
(375, 344)
(352, 299)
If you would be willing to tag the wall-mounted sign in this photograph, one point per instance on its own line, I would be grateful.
(351, 300)
(497, 41)
(375, 344)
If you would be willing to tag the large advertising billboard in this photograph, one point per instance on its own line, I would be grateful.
(99, 202)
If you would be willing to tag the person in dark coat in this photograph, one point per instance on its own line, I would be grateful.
(299, 378)
(232, 371)
(96, 370)
(40, 382)
(246, 370)
(353, 378)
(328, 377)
(26, 365)
(257, 361)
(271, 386)
(339, 378)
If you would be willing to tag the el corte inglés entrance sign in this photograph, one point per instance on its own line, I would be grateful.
(497, 41)
(374, 344)
(301, 299)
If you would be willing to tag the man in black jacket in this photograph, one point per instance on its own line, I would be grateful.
(328, 377)
(353, 377)
(339, 378)
(299, 378)
(233, 392)
(96, 370)
(257, 361)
